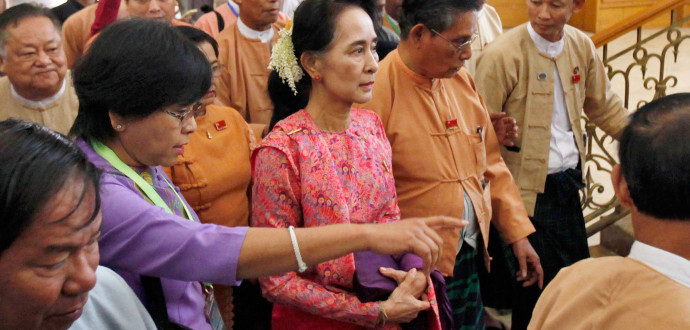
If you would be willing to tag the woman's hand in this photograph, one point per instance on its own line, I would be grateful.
(414, 235)
(402, 306)
(419, 280)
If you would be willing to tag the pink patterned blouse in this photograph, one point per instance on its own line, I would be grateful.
(306, 177)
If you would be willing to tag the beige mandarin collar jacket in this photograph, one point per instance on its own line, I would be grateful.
(515, 78)
(58, 115)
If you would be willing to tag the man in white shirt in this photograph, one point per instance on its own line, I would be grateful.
(547, 75)
(650, 289)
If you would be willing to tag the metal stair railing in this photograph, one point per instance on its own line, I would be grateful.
(600, 210)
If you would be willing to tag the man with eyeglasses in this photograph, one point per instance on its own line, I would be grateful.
(446, 157)
(37, 87)
(547, 75)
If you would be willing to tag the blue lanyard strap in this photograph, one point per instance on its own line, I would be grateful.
(110, 156)
(233, 10)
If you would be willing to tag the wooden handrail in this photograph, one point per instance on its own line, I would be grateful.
(631, 23)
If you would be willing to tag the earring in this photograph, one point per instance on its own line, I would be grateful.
(118, 127)
(317, 77)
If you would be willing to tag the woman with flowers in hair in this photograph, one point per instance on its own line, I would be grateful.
(137, 107)
(325, 163)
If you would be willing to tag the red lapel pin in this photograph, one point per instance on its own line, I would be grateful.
(220, 125)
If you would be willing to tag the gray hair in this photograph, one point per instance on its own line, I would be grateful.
(434, 14)
(14, 15)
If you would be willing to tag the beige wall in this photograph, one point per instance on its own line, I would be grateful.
(596, 16)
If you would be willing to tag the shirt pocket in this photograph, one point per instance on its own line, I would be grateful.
(476, 141)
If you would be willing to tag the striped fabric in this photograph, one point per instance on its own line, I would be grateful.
(463, 291)
(560, 239)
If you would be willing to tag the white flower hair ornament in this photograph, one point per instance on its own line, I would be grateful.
(283, 59)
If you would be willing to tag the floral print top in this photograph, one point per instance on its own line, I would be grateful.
(306, 177)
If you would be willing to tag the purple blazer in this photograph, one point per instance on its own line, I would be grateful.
(139, 238)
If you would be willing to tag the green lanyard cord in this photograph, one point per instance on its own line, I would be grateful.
(110, 156)
(395, 27)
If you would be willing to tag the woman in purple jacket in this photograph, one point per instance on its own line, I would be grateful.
(138, 89)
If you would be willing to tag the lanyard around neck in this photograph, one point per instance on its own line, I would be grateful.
(395, 26)
(233, 10)
(110, 156)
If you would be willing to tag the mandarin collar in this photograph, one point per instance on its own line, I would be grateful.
(552, 49)
(265, 36)
(42, 103)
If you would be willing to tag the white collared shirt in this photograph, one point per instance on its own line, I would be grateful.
(264, 36)
(563, 153)
(469, 233)
(42, 103)
(673, 266)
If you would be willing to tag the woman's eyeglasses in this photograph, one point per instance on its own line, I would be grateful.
(458, 48)
(195, 110)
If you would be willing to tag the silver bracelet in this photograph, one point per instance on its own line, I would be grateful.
(300, 263)
(383, 317)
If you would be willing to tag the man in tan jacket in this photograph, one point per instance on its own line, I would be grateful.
(545, 73)
(650, 289)
(37, 87)
(244, 53)
(446, 156)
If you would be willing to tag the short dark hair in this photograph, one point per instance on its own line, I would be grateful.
(36, 164)
(312, 31)
(134, 68)
(434, 14)
(655, 157)
(14, 15)
(197, 36)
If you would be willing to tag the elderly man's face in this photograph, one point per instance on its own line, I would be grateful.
(440, 49)
(160, 10)
(47, 272)
(35, 60)
(258, 14)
